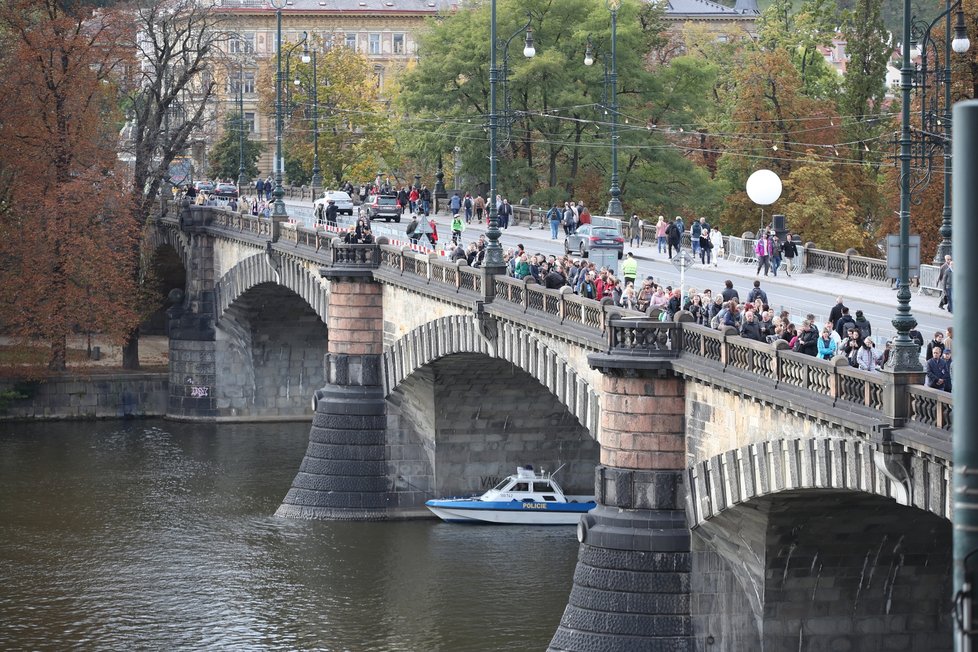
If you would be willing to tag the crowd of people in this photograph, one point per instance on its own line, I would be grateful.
(842, 334)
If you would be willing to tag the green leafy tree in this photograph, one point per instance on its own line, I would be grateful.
(554, 140)
(801, 33)
(864, 113)
(226, 154)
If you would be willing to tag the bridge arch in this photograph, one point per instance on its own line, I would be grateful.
(782, 465)
(263, 268)
(812, 543)
(461, 334)
(178, 240)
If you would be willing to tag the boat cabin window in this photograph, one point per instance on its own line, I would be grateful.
(521, 486)
(550, 498)
(502, 485)
(542, 487)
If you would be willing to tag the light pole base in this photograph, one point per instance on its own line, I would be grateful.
(615, 209)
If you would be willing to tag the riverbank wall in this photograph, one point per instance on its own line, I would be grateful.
(93, 396)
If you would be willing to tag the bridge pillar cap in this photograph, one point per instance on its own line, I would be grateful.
(839, 361)
(461, 262)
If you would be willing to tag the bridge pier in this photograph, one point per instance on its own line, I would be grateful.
(343, 475)
(192, 332)
(632, 582)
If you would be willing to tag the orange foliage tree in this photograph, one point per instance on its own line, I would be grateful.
(66, 232)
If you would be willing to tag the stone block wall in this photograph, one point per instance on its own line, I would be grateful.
(268, 356)
(822, 570)
(108, 396)
(411, 439)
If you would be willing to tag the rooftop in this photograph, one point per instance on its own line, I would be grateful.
(343, 6)
(746, 8)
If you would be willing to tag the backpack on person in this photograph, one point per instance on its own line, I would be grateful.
(468, 202)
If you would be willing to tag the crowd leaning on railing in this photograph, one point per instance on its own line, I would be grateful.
(844, 333)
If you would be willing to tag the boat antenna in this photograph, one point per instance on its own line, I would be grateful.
(558, 469)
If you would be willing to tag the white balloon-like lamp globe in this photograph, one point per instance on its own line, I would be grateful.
(764, 187)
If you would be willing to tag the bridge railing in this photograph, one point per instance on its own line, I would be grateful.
(562, 305)
(363, 256)
(226, 219)
(432, 270)
(301, 236)
(833, 379)
(930, 407)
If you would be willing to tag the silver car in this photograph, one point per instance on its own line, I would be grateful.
(590, 236)
(344, 204)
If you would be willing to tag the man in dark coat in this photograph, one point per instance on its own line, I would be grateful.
(673, 237)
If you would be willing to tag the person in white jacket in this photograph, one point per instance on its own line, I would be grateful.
(867, 358)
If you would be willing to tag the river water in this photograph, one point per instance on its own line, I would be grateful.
(156, 535)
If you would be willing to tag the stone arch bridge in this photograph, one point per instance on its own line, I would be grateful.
(749, 497)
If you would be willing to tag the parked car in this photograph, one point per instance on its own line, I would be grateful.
(204, 186)
(589, 236)
(344, 204)
(384, 207)
(226, 190)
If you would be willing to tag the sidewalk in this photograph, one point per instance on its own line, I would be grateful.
(742, 274)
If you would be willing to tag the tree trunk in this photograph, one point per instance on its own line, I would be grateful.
(130, 350)
(59, 354)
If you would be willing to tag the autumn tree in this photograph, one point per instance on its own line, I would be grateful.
(772, 125)
(67, 237)
(819, 209)
(353, 122)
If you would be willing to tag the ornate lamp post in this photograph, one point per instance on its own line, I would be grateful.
(611, 89)
(494, 251)
(242, 176)
(317, 177)
(935, 121)
(278, 211)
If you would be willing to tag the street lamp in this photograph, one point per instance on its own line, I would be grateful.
(935, 120)
(242, 177)
(611, 83)
(311, 55)
(494, 251)
(906, 356)
(278, 193)
(317, 177)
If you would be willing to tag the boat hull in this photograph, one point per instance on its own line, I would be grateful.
(509, 513)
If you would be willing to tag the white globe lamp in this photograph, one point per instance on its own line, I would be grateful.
(764, 187)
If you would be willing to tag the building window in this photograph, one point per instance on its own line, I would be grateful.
(244, 44)
(373, 41)
(399, 44)
(245, 81)
(379, 77)
(327, 42)
(351, 41)
(249, 120)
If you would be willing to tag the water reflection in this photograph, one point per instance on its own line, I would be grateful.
(159, 535)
